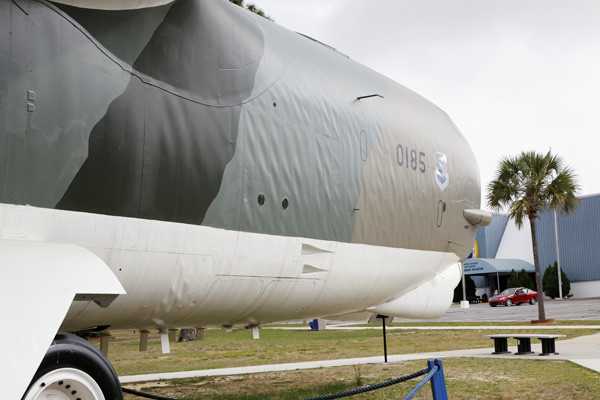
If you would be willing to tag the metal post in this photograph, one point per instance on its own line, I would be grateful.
(438, 383)
(104, 337)
(560, 294)
(164, 342)
(464, 303)
(498, 281)
(383, 317)
(464, 284)
(144, 340)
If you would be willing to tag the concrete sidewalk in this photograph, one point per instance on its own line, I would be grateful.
(584, 350)
(448, 328)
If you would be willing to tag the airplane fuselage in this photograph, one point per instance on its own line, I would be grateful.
(228, 171)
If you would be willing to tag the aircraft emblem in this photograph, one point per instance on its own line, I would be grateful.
(441, 171)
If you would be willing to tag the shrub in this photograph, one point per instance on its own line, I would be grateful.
(525, 280)
(550, 281)
(513, 280)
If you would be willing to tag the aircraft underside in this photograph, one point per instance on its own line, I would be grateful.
(178, 275)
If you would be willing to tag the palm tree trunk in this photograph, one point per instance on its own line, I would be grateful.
(538, 272)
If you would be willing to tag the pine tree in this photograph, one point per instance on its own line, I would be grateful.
(550, 281)
(551, 278)
(525, 280)
(513, 280)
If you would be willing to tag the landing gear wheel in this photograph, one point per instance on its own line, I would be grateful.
(532, 300)
(508, 302)
(74, 369)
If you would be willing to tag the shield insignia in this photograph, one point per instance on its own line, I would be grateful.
(441, 171)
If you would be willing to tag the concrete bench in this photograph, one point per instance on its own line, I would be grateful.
(524, 343)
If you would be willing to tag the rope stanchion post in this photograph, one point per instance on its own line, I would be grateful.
(438, 383)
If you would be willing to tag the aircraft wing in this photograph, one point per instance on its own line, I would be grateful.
(39, 282)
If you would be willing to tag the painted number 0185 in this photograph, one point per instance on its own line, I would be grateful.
(410, 158)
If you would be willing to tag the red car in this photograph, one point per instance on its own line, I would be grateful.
(511, 296)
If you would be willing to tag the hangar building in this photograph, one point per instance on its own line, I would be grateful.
(501, 247)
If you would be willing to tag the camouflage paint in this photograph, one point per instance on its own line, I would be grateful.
(299, 141)
(125, 33)
(201, 112)
(160, 150)
(55, 85)
(424, 216)
(308, 139)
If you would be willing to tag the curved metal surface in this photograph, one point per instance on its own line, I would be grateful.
(304, 195)
(226, 170)
(39, 282)
(114, 4)
(190, 123)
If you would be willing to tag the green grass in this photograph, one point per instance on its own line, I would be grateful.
(468, 379)
(236, 349)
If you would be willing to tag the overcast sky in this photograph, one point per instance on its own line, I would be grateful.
(513, 75)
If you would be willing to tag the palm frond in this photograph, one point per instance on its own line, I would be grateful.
(530, 182)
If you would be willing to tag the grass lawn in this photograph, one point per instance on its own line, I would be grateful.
(465, 378)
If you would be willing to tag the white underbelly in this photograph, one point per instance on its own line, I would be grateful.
(179, 275)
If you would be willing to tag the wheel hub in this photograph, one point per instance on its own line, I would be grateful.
(65, 384)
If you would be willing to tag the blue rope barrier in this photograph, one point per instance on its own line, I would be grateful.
(426, 379)
(145, 395)
(370, 388)
(429, 372)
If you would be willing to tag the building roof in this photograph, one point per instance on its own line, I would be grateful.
(484, 266)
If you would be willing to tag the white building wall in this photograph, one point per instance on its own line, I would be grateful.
(516, 243)
(585, 289)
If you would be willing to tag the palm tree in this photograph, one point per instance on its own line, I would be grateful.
(527, 185)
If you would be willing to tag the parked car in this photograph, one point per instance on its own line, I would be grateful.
(511, 296)
(474, 299)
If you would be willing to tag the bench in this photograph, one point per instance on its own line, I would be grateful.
(524, 343)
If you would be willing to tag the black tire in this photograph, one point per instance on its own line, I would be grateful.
(508, 302)
(532, 301)
(71, 352)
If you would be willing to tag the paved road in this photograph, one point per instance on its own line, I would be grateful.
(572, 309)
